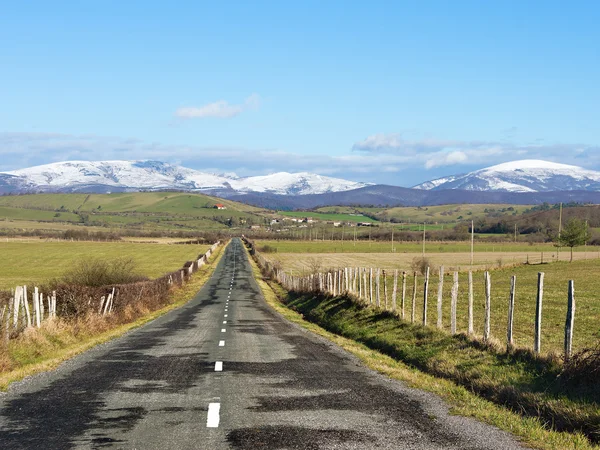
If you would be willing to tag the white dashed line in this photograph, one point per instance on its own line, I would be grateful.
(225, 315)
(219, 366)
(212, 420)
(224, 322)
(221, 343)
(223, 330)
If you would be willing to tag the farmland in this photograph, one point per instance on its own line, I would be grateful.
(308, 256)
(136, 211)
(29, 262)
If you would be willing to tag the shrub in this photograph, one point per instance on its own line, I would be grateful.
(267, 249)
(98, 272)
(420, 264)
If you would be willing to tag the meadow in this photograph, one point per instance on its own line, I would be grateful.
(139, 211)
(35, 261)
(294, 258)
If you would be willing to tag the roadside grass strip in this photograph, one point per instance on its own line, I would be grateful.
(434, 366)
(55, 347)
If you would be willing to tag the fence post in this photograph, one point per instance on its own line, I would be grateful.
(377, 286)
(26, 304)
(371, 286)
(365, 292)
(395, 290)
(538, 314)
(16, 305)
(425, 293)
(453, 303)
(488, 306)
(36, 304)
(414, 300)
(439, 297)
(385, 293)
(511, 312)
(346, 280)
(403, 293)
(470, 307)
(570, 321)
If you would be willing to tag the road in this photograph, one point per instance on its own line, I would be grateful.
(225, 371)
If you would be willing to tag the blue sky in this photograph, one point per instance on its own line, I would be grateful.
(387, 92)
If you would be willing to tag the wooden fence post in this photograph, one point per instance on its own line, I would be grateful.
(453, 303)
(371, 286)
(470, 307)
(511, 312)
(439, 297)
(414, 300)
(16, 305)
(395, 290)
(26, 304)
(377, 286)
(36, 304)
(403, 298)
(385, 293)
(538, 314)
(425, 293)
(488, 306)
(570, 322)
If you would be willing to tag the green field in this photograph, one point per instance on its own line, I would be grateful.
(450, 213)
(322, 216)
(36, 261)
(140, 211)
(362, 246)
(297, 256)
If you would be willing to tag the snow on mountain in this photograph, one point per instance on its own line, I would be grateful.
(294, 184)
(95, 176)
(521, 176)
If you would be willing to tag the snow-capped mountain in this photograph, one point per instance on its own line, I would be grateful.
(104, 176)
(521, 176)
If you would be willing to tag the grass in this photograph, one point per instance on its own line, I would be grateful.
(45, 349)
(431, 247)
(461, 399)
(32, 262)
(557, 276)
(329, 216)
(450, 213)
(140, 210)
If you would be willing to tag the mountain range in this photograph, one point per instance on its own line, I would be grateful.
(517, 182)
(123, 176)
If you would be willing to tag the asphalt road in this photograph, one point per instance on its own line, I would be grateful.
(225, 371)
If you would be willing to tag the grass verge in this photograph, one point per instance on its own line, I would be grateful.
(40, 350)
(463, 401)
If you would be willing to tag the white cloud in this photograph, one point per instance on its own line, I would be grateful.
(445, 159)
(435, 153)
(220, 109)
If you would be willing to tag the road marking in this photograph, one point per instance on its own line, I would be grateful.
(221, 343)
(219, 366)
(224, 321)
(225, 315)
(212, 420)
(223, 330)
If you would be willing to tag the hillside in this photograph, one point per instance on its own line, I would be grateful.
(141, 210)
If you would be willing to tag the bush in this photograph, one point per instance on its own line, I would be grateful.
(98, 272)
(420, 264)
(267, 249)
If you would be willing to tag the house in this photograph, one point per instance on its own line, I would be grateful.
(220, 206)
